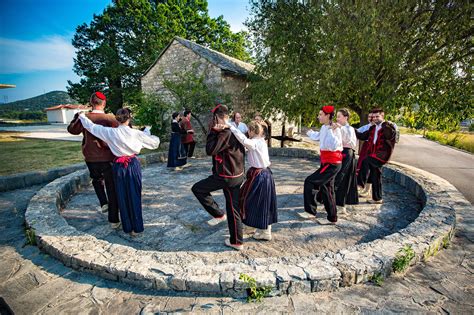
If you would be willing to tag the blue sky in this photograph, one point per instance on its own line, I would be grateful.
(35, 40)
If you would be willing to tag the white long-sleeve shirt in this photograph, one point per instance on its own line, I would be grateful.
(349, 139)
(329, 139)
(377, 129)
(364, 128)
(123, 140)
(242, 127)
(257, 149)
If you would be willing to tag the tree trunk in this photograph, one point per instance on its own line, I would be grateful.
(115, 100)
(203, 129)
(363, 116)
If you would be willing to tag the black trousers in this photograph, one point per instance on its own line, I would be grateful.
(102, 179)
(231, 188)
(323, 181)
(345, 183)
(189, 148)
(374, 167)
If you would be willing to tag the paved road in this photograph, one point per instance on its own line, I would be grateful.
(453, 165)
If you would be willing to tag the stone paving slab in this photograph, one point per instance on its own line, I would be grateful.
(175, 221)
(357, 264)
(422, 290)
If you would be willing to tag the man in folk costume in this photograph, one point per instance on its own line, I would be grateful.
(330, 139)
(227, 174)
(381, 142)
(346, 180)
(187, 139)
(98, 156)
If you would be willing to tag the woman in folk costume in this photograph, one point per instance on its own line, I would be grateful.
(257, 197)
(346, 180)
(177, 156)
(125, 143)
(363, 152)
(330, 140)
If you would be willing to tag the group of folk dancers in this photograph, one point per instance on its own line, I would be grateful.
(110, 147)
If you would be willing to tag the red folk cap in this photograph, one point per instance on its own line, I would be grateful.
(215, 108)
(100, 95)
(328, 109)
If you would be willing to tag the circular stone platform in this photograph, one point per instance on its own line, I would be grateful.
(175, 221)
(179, 252)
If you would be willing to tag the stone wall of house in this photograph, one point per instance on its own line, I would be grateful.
(177, 59)
(236, 86)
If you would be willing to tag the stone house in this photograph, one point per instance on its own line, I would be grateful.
(182, 55)
(225, 72)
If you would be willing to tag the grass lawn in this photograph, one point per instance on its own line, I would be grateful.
(24, 155)
(409, 131)
(460, 140)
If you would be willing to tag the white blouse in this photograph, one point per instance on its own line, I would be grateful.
(123, 140)
(349, 139)
(257, 149)
(330, 140)
(242, 127)
(364, 128)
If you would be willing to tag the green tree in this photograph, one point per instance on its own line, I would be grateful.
(116, 48)
(149, 109)
(192, 92)
(363, 53)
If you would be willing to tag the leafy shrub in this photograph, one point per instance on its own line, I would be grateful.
(149, 109)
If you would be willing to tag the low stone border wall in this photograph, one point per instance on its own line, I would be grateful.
(27, 179)
(187, 271)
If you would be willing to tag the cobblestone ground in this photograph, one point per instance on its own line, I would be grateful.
(175, 221)
(34, 283)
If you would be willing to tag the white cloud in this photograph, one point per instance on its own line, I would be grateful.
(49, 53)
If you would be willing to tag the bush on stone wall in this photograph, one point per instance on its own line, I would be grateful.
(149, 109)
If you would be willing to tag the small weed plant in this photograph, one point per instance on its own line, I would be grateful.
(255, 294)
(403, 258)
(377, 279)
(30, 237)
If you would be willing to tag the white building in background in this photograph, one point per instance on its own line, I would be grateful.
(63, 114)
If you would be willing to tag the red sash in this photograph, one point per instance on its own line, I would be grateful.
(331, 157)
(124, 160)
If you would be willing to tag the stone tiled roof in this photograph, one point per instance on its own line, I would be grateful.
(216, 58)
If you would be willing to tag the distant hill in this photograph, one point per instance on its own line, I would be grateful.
(33, 108)
(38, 103)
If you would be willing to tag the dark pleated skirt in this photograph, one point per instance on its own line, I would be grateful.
(346, 180)
(128, 186)
(176, 153)
(257, 199)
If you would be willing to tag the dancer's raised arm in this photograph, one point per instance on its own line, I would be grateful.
(250, 144)
(101, 132)
(313, 135)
